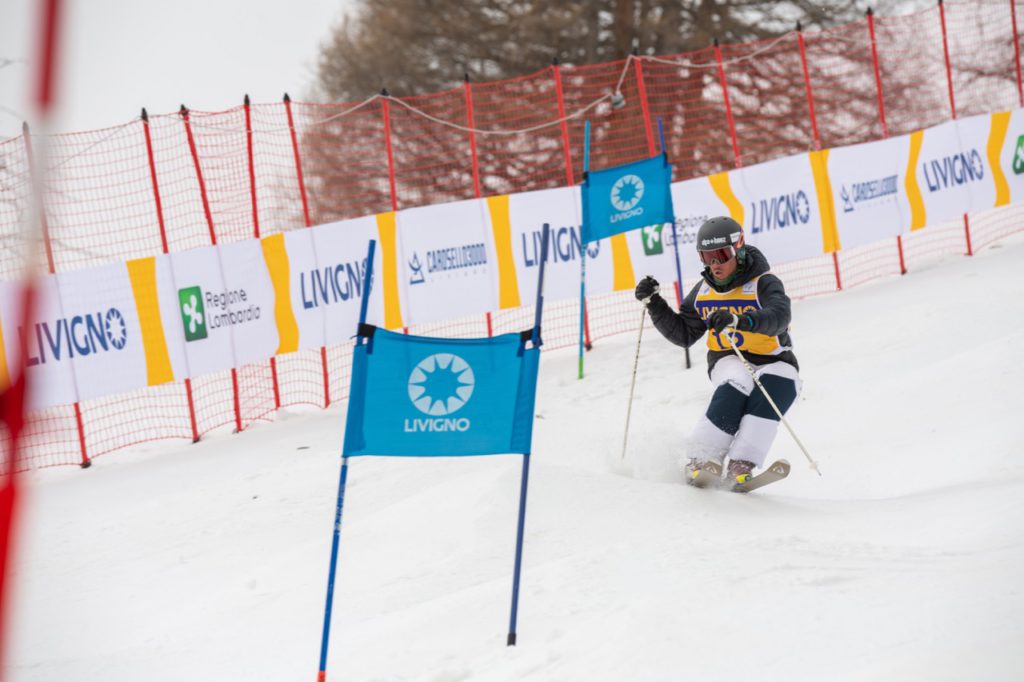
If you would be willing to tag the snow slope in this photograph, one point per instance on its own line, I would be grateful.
(903, 561)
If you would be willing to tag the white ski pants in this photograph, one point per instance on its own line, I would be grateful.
(739, 421)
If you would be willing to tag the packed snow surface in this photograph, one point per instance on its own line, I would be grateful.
(903, 561)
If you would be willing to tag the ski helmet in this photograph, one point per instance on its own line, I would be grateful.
(718, 233)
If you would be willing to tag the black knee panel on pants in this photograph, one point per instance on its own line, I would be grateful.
(726, 408)
(782, 391)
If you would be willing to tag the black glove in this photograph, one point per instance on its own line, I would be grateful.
(647, 288)
(720, 319)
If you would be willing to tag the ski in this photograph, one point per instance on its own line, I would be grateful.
(776, 471)
(710, 474)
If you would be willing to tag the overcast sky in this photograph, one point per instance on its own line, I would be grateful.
(122, 55)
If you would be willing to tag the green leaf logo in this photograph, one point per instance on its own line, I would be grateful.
(193, 314)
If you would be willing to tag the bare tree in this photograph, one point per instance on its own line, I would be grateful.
(415, 47)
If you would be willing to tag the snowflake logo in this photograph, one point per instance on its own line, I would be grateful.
(627, 192)
(115, 328)
(441, 384)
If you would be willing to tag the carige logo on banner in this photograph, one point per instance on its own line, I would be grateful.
(79, 335)
(447, 260)
(860, 194)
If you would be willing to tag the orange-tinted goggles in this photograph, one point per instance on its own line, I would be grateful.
(719, 256)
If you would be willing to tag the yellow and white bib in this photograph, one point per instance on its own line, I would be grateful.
(742, 299)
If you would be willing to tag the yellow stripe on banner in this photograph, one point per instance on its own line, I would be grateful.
(918, 215)
(622, 264)
(723, 190)
(142, 275)
(387, 228)
(827, 208)
(276, 256)
(996, 137)
(501, 225)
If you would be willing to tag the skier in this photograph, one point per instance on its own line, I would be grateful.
(737, 291)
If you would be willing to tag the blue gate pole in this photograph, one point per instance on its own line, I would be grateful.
(583, 245)
(521, 524)
(675, 240)
(336, 539)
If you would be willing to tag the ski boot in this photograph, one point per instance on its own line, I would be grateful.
(739, 472)
(701, 473)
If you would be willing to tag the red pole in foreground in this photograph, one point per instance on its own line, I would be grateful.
(163, 244)
(309, 223)
(183, 112)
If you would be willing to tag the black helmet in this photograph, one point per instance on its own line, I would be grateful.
(719, 232)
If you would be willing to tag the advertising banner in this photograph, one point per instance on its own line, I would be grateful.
(783, 212)
(201, 299)
(695, 202)
(50, 369)
(447, 267)
(938, 175)
(333, 289)
(1000, 138)
(865, 184)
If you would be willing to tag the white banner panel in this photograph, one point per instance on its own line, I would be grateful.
(1011, 156)
(335, 290)
(528, 213)
(865, 181)
(941, 175)
(651, 253)
(246, 303)
(974, 134)
(783, 217)
(50, 373)
(695, 201)
(447, 264)
(200, 283)
(310, 287)
(1007, 145)
(99, 332)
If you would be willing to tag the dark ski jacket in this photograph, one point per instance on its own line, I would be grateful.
(686, 327)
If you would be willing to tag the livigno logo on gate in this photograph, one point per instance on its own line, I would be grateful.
(193, 313)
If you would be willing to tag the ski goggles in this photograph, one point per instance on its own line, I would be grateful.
(719, 256)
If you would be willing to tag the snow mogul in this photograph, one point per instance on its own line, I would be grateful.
(738, 299)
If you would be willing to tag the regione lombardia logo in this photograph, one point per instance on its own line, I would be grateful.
(440, 384)
(627, 192)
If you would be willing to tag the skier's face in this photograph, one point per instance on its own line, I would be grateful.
(723, 270)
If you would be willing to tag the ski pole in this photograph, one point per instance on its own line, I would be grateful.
(753, 375)
(632, 383)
